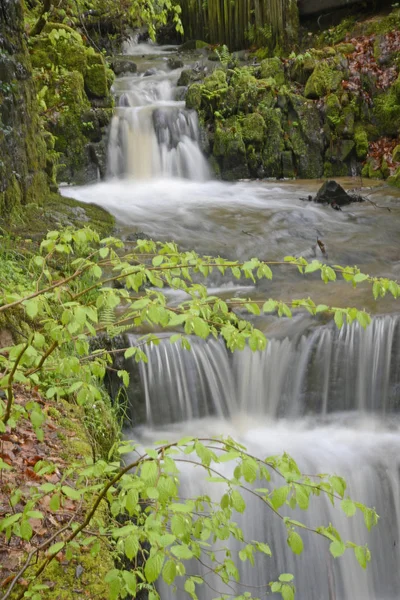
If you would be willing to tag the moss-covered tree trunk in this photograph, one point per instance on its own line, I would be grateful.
(22, 147)
(270, 23)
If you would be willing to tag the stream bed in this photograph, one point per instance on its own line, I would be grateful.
(329, 398)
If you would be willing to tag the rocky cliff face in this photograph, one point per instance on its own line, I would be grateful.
(23, 178)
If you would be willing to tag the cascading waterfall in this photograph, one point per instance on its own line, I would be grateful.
(325, 397)
(152, 135)
(322, 372)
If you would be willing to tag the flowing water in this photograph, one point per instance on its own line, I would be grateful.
(329, 398)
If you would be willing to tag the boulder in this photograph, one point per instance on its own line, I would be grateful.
(174, 63)
(332, 193)
(122, 65)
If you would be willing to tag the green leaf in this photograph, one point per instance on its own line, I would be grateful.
(71, 493)
(130, 582)
(181, 508)
(169, 572)
(362, 555)
(54, 503)
(338, 318)
(4, 523)
(190, 586)
(287, 592)
(360, 277)
(249, 469)
(321, 308)
(131, 546)
(278, 496)
(337, 548)
(183, 552)
(153, 567)
(338, 484)
(237, 501)
(55, 548)
(25, 530)
(348, 507)
(286, 577)
(295, 542)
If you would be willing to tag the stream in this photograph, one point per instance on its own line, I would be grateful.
(330, 398)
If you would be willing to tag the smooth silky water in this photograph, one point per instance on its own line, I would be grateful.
(329, 398)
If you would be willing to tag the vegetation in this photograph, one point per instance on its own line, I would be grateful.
(65, 300)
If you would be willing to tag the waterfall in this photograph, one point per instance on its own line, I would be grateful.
(319, 373)
(329, 398)
(152, 135)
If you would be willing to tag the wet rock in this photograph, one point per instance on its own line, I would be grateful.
(150, 72)
(174, 63)
(121, 65)
(332, 193)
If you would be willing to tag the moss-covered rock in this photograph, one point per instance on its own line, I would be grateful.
(325, 78)
(193, 96)
(98, 79)
(288, 168)
(273, 67)
(22, 147)
(340, 151)
(230, 150)
(361, 141)
(301, 70)
(96, 84)
(253, 128)
(396, 154)
(58, 212)
(345, 48)
(61, 47)
(395, 178)
(274, 143)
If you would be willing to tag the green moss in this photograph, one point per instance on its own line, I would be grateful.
(253, 128)
(273, 67)
(345, 48)
(301, 70)
(58, 212)
(288, 170)
(60, 47)
(396, 153)
(361, 141)
(193, 96)
(325, 78)
(335, 170)
(274, 143)
(386, 111)
(11, 198)
(230, 150)
(395, 178)
(22, 147)
(370, 170)
(96, 84)
(333, 110)
(215, 81)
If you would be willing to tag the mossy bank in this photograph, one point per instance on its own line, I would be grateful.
(310, 115)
